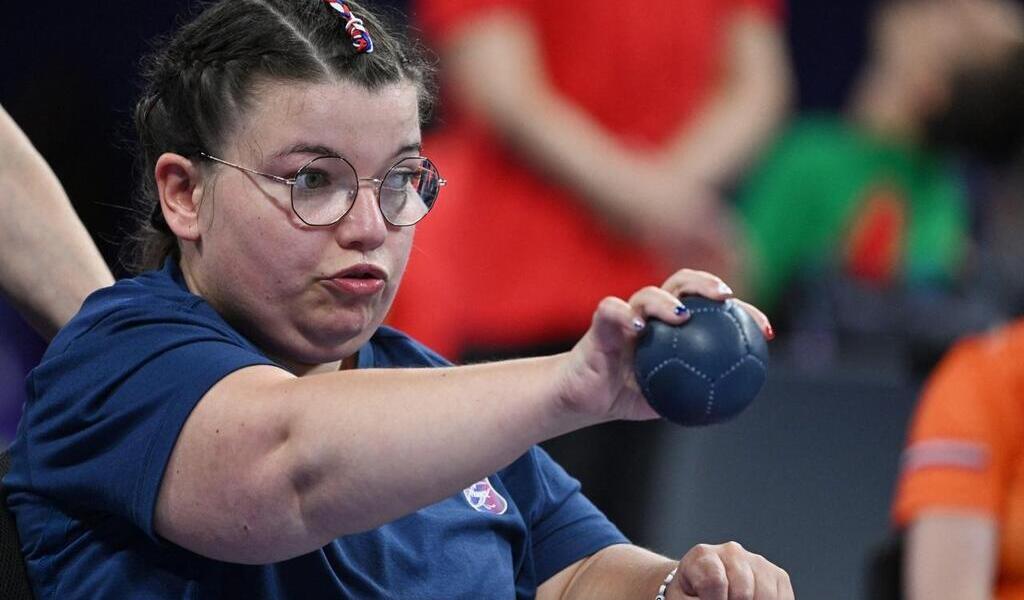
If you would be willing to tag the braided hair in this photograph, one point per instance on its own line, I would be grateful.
(201, 79)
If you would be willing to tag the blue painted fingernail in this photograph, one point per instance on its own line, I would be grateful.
(681, 308)
(638, 324)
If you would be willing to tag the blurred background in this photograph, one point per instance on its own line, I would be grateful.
(853, 167)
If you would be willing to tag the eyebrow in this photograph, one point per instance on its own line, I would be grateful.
(413, 147)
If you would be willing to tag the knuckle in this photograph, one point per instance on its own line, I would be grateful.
(733, 548)
(702, 550)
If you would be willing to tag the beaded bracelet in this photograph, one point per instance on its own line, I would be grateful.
(664, 585)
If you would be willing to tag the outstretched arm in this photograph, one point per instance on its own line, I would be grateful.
(50, 263)
(270, 466)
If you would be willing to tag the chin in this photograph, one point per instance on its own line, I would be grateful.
(335, 340)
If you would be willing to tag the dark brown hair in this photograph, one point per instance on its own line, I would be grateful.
(202, 78)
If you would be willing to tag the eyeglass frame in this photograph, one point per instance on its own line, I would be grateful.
(379, 183)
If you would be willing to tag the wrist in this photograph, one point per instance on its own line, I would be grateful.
(570, 410)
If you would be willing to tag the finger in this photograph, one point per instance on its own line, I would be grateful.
(772, 582)
(742, 582)
(702, 574)
(740, 571)
(687, 282)
(615, 321)
(759, 317)
(656, 302)
(784, 586)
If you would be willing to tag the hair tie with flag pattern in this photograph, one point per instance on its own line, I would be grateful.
(354, 27)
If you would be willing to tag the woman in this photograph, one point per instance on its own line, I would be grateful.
(222, 426)
(960, 499)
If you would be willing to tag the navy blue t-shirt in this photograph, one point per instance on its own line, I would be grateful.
(106, 405)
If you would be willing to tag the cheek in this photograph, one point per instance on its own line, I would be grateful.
(401, 246)
(265, 253)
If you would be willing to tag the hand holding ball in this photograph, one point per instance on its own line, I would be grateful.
(706, 370)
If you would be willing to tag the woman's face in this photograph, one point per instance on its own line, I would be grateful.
(308, 296)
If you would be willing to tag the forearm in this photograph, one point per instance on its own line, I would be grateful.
(950, 555)
(284, 465)
(458, 424)
(46, 271)
(622, 572)
(497, 69)
(744, 112)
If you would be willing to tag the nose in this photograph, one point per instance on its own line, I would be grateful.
(364, 227)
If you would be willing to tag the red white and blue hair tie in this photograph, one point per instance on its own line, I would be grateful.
(354, 27)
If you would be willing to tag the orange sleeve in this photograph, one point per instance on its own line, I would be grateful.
(965, 434)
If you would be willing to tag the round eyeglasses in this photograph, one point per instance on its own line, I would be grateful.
(325, 189)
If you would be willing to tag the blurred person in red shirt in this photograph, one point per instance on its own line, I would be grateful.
(588, 146)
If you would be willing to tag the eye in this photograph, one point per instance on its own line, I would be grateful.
(312, 180)
(400, 178)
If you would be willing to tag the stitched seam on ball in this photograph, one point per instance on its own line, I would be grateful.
(739, 327)
(735, 366)
(685, 364)
(711, 402)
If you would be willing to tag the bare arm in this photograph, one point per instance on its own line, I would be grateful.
(950, 555)
(706, 572)
(269, 466)
(46, 271)
(497, 69)
(747, 108)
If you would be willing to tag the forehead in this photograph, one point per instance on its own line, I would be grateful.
(359, 124)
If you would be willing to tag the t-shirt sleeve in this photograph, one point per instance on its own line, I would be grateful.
(961, 449)
(107, 409)
(564, 525)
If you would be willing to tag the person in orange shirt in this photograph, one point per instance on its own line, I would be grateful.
(960, 498)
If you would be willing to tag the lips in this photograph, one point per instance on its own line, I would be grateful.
(361, 271)
(358, 280)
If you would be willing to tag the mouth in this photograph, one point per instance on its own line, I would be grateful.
(358, 280)
(361, 271)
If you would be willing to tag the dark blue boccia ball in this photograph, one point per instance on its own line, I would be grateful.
(706, 370)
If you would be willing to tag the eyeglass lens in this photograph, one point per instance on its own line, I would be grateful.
(326, 188)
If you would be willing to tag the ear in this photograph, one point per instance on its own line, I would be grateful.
(179, 184)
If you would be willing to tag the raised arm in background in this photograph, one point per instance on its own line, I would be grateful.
(50, 264)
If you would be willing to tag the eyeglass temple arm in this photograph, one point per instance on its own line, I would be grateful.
(283, 180)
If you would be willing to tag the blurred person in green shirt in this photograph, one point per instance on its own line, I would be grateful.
(873, 194)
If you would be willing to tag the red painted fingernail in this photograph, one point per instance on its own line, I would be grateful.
(769, 333)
